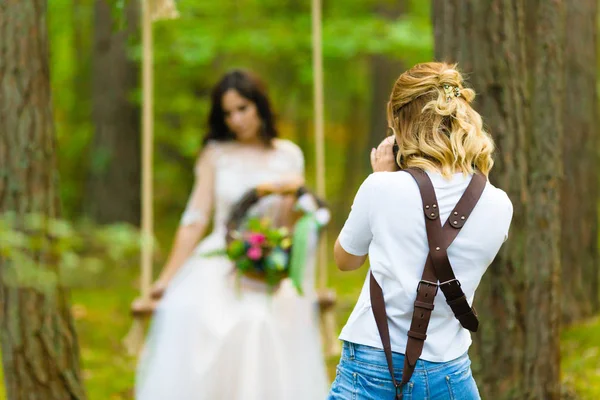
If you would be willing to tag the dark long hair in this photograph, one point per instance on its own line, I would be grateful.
(250, 87)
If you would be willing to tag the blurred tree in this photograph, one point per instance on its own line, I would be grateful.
(113, 187)
(579, 208)
(40, 352)
(514, 51)
(271, 37)
(541, 370)
(368, 124)
(384, 71)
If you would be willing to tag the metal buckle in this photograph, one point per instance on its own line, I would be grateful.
(399, 387)
(450, 281)
(437, 287)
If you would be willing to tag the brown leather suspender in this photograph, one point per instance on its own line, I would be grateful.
(437, 268)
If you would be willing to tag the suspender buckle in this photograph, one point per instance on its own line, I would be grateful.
(399, 394)
(450, 281)
(428, 283)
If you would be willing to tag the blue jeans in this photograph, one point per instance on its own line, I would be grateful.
(363, 374)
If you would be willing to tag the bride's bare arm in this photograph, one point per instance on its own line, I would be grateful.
(194, 221)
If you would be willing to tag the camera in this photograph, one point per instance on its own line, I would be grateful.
(395, 150)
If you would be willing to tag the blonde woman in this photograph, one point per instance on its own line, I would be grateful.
(431, 224)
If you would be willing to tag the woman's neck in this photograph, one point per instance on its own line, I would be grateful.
(257, 143)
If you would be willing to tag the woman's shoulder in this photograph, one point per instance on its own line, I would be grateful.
(209, 154)
(209, 150)
(214, 149)
(214, 146)
(498, 198)
(287, 146)
(384, 186)
(386, 180)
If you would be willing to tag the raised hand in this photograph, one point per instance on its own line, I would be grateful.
(382, 158)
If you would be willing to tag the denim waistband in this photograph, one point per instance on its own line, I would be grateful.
(376, 358)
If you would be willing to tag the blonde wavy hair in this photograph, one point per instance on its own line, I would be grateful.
(435, 126)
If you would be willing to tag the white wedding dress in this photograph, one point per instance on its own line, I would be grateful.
(211, 339)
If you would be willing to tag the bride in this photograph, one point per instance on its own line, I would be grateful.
(211, 339)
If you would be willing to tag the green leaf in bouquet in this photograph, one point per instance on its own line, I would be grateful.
(254, 224)
(236, 249)
(271, 278)
(244, 264)
(274, 237)
(277, 260)
(213, 253)
(305, 226)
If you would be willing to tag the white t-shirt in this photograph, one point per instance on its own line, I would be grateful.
(388, 223)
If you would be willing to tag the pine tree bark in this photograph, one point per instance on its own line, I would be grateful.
(518, 78)
(113, 191)
(543, 227)
(40, 355)
(579, 211)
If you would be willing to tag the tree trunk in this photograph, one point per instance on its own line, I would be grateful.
(356, 161)
(516, 352)
(384, 72)
(40, 354)
(73, 189)
(580, 185)
(487, 39)
(543, 228)
(113, 192)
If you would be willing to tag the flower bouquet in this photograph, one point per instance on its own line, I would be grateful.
(262, 251)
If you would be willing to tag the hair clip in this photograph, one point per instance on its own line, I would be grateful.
(451, 91)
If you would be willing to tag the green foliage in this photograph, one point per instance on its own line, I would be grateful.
(44, 253)
(190, 53)
(70, 30)
(580, 354)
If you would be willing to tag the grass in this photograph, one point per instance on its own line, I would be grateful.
(102, 320)
(580, 348)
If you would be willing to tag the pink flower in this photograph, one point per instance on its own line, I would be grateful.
(256, 239)
(254, 253)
